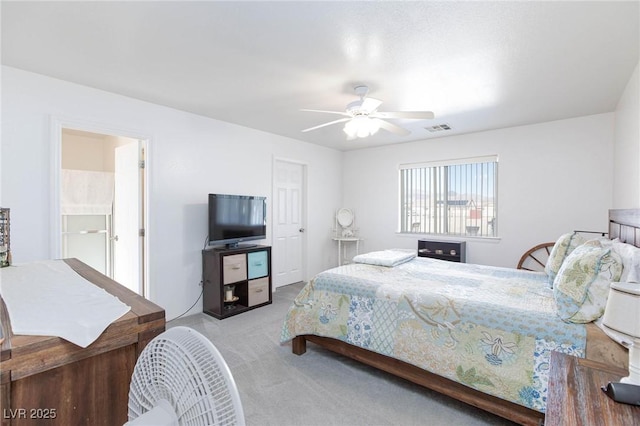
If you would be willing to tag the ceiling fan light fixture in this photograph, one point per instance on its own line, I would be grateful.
(374, 126)
(361, 127)
(362, 118)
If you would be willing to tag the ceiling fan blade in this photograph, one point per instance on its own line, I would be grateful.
(418, 115)
(390, 127)
(340, 120)
(370, 104)
(327, 112)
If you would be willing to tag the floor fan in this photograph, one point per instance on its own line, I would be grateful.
(181, 379)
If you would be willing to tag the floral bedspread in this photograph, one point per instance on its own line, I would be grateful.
(490, 328)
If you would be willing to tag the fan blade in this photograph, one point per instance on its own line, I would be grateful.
(390, 127)
(369, 104)
(340, 120)
(327, 112)
(418, 115)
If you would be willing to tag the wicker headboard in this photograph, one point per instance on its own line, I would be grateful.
(625, 225)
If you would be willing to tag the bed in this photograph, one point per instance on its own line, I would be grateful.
(482, 335)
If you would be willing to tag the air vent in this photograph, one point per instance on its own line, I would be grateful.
(438, 128)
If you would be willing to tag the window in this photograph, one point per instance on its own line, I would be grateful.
(457, 197)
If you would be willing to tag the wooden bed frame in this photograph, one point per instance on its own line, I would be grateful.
(623, 224)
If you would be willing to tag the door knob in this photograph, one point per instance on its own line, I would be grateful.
(301, 230)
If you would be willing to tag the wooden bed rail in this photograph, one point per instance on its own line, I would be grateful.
(508, 410)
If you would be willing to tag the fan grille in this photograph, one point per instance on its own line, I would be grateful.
(184, 368)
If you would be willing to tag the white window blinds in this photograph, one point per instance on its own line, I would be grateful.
(452, 197)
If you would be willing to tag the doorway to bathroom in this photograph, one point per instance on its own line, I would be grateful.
(102, 204)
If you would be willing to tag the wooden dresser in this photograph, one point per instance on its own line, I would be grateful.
(50, 381)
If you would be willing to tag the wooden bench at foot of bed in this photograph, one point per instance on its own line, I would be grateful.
(509, 410)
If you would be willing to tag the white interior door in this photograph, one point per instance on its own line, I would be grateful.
(127, 217)
(288, 228)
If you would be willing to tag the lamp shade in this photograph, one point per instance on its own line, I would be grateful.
(622, 313)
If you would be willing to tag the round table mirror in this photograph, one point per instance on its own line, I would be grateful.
(344, 217)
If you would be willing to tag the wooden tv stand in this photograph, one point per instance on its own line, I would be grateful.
(243, 273)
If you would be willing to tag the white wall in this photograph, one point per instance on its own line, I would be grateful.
(553, 178)
(626, 192)
(189, 156)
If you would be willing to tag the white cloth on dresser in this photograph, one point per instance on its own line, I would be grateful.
(48, 298)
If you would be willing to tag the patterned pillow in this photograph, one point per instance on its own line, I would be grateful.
(561, 249)
(581, 287)
(600, 242)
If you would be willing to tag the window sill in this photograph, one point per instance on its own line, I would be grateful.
(443, 237)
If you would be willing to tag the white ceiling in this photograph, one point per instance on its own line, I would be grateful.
(476, 65)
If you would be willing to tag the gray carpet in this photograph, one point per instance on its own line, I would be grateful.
(319, 387)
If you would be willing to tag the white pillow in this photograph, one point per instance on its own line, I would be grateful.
(389, 258)
(630, 256)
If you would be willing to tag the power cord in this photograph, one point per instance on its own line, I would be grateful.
(191, 307)
(201, 292)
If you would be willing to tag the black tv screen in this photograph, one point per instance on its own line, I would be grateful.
(236, 218)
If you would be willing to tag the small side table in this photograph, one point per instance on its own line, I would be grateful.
(575, 397)
(341, 240)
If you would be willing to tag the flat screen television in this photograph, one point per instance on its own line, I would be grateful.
(236, 218)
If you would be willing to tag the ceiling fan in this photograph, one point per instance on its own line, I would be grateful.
(363, 119)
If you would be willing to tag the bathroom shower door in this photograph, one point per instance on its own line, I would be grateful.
(87, 200)
(86, 237)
